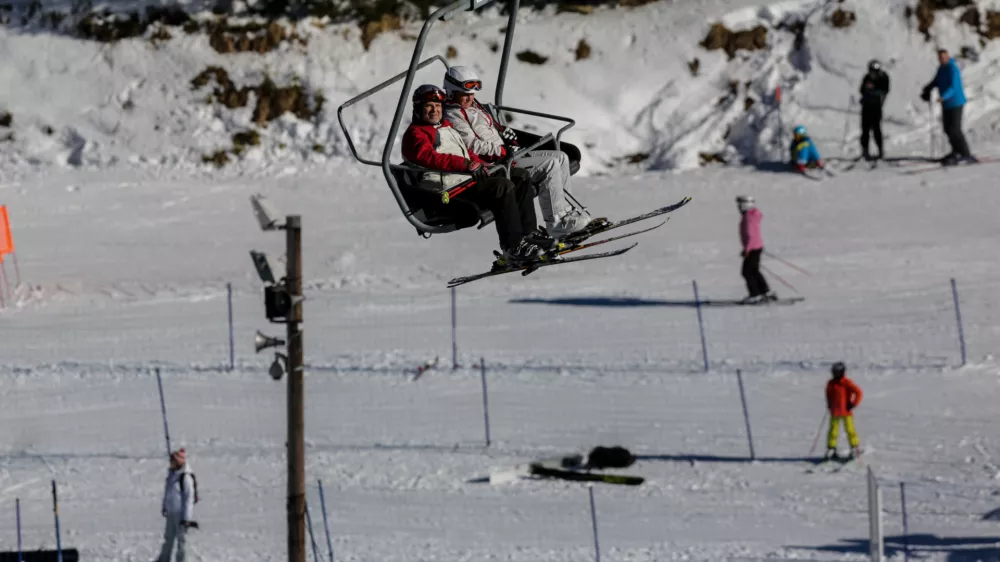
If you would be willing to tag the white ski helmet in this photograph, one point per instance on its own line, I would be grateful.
(462, 79)
(745, 203)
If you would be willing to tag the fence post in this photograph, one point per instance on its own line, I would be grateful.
(326, 522)
(163, 411)
(958, 317)
(906, 526)
(55, 510)
(454, 331)
(701, 325)
(232, 350)
(593, 520)
(746, 414)
(486, 404)
(875, 538)
(20, 551)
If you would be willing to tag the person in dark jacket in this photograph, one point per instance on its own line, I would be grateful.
(874, 89)
(948, 82)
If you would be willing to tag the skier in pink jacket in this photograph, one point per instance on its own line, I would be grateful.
(753, 247)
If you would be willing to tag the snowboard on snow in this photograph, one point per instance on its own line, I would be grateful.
(573, 468)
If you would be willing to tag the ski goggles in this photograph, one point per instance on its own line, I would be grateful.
(431, 94)
(468, 85)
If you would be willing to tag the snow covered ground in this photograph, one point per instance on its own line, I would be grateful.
(128, 243)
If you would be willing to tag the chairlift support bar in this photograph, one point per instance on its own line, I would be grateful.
(444, 13)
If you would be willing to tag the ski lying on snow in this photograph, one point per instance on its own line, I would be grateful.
(985, 160)
(530, 267)
(537, 469)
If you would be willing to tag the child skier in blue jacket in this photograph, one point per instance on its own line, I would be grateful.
(803, 151)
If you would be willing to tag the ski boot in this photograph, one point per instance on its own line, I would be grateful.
(524, 253)
(831, 455)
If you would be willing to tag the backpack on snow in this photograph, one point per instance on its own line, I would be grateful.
(180, 482)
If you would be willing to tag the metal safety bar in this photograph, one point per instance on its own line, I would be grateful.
(371, 92)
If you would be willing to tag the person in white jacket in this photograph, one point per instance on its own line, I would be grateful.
(548, 170)
(178, 506)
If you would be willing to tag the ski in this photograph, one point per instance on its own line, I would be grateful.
(611, 225)
(537, 469)
(578, 247)
(739, 302)
(530, 267)
(986, 160)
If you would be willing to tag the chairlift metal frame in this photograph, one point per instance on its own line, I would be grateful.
(403, 105)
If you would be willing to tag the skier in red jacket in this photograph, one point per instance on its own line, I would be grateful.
(842, 396)
(431, 142)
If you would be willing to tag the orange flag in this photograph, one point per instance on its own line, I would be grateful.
(6, 238)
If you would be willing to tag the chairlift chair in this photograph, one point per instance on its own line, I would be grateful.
(432, 211)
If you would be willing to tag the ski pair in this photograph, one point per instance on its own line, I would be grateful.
(577, 243)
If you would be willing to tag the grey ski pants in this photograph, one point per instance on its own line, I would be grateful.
(174, 532)
(549, 172)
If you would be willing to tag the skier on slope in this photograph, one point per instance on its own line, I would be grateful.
(431, 142)
(179, 495)
(547, 170)
(874, 89)
(842, 397)
(804, 153)
(948, 81)
(753, 247)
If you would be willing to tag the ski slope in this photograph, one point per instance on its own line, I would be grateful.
(126, 244)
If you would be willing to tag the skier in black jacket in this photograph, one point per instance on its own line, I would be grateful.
(874, 89)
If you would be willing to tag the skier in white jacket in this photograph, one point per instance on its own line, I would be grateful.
(178, 506)
(548, 170)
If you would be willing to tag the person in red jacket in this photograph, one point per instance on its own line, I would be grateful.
(842, 396)
(431, 142)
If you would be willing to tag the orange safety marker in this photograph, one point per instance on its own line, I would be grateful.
(6, 238)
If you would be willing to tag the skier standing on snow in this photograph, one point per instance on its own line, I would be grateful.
(874, 89)
(803, 150)
(178, 506)
(431, 142)
(842, 397)
(548, 170)
(753, 247)
(948, 81)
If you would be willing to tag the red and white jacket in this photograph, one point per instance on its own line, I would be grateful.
(438, 147)
(478, 130)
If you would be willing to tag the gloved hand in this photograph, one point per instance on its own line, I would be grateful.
(189, 524)
(926, 94)
(850, 407)
(743, 253)
(509, 136)
(479, 172)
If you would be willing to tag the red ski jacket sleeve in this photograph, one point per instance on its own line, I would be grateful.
(420, 143)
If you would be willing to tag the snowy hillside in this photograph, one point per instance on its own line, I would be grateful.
(638, 81)
(127, 244)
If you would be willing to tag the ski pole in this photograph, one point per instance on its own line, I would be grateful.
(55, 510)
(163, 410)
(819, 431)
(312, 539)
(326, 522)
(779, 278)
(788, 263)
